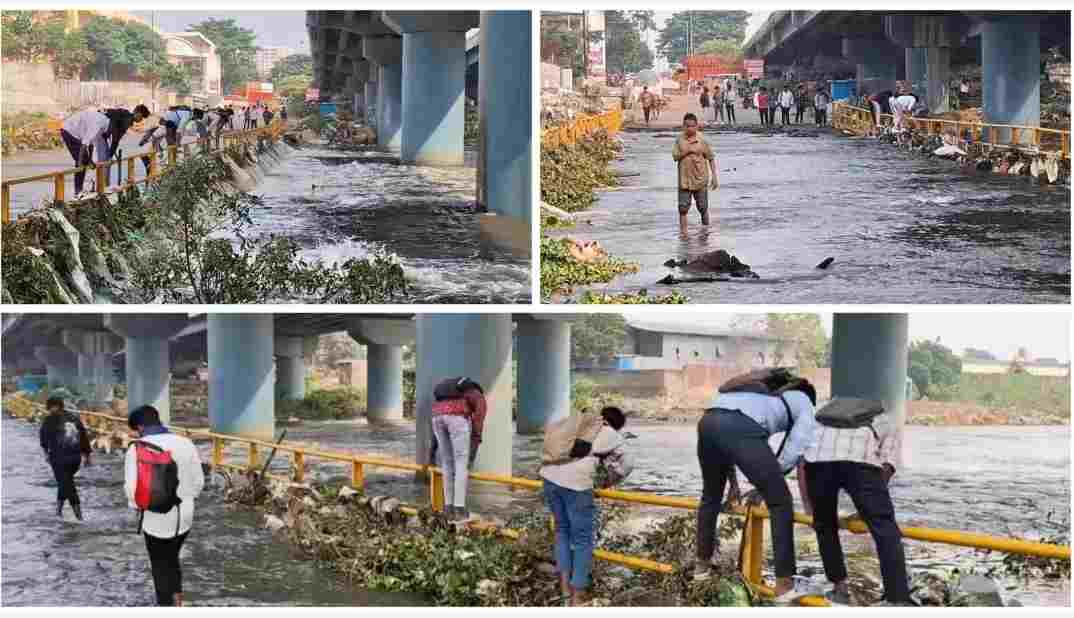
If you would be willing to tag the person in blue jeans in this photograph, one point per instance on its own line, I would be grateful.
(568, 491)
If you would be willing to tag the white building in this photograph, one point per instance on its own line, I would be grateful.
(198, 53)
(267, 57)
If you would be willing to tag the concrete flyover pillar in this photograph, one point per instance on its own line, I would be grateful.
(544, 369)
(384, 383)
(477, 346)
(95, 350)
(290, 367)
(365, 78)
(1010, 59)
(917, 70)
(505, 97)
(869, 359)
(434, 81)
(878, 62)
(147, 358)
(928, 40)
(61, 365)
(387, 53)
(241, 376)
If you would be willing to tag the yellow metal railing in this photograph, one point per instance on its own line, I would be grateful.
(130, 165)
(581, 127)
(755, 515)
(1040, 140)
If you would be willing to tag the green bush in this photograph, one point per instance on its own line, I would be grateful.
(322, 404)
(1047, 394)
(586, 394)
(560, 272)
(569, 174)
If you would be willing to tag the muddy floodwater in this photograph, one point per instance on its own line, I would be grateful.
(902, 228)
(964, 478)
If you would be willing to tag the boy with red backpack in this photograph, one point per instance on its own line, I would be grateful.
(163, 476)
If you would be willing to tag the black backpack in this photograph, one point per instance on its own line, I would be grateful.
(850, 413)
(453, 388)
(772, 382)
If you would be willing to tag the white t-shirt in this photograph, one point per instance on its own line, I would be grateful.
(578, 474)
(191, 482)
(86, 126)
(786, 99)
(905, 103)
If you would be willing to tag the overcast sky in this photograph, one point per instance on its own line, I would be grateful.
(1001, 332)
(273, 28)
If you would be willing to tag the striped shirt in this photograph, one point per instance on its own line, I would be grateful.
(860, 445)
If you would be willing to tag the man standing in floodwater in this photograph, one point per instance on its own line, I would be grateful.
(64, 439)
(695, 159)
(647, 100)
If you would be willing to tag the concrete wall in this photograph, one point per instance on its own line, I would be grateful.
(682, 348)
(33, 87)
(352, 373)
(698, 381)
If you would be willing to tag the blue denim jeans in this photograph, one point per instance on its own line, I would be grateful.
(574, 513)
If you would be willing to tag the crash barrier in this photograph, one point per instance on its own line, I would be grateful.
(752, 548)
(1030, 140)
(580, 128)
(128, 166)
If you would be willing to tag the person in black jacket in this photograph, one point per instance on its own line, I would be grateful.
(66, 444)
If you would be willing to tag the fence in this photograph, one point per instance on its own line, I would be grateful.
(1032, 140)
(753, 534)
(581, 127)
(129, 164)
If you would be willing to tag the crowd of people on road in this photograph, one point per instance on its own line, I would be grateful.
(93, 132)
(847, 445)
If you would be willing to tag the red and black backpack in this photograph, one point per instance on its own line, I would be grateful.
(158, 481)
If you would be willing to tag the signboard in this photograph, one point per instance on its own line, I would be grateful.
(313, 94)
(754, 68)
(327, 109)
(266, 86)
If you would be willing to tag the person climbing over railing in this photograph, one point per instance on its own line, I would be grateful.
(854, 449)
(746, 411)
(458, 421)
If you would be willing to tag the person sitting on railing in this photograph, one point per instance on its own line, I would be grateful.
(860, 461)
(734, 432)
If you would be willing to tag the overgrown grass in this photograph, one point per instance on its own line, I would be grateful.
(1048, 394)
(560, 272)
(324, 404)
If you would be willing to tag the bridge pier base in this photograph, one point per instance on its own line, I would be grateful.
(61, 365)
(147, 358)
(544, 358)
(371, 104)
(434, 78)
(869, 359)
(384, 383)
(95, 373)
(1010, 59)
(504, 84)
(477, 346)
(387, 53)
(290, 368)
(241, 377)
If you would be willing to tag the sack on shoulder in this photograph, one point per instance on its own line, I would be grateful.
(614, 468)
(570, 438)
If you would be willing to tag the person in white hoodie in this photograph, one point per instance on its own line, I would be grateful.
(786, 100)
(568, 491)
(165, 532)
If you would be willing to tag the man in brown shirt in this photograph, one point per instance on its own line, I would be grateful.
(647, 101)
(695, 159)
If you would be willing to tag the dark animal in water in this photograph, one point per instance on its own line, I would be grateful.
(718, 261)
(673, 280)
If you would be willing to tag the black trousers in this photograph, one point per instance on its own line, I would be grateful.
(799, 113)
(867, 489)
(65, 480)
(726, 439)
(820, 116)
(648, 111)
(164, 559)
(74, 146)
(731, 113)
(784, 115)
(764, 114)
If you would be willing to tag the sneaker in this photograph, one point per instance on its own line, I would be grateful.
(702, 571)
(837, 598)
(800, 589)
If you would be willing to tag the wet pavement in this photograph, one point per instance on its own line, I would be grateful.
(902, 228)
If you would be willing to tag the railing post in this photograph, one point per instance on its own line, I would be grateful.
(5, 199)
(252, 458)
(173, 155)
(436, 489)
(753, 552)
(357, 475)
(153, 171)
(102, 176)
(130, 171)
(59, 188)
(218, 451)
(298, 462)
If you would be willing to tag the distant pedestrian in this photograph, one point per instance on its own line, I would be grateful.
(801, 102)
(696, 160)
(458, 420)
(727, 97)
(283, 113)
(66, 445)
(176, 120)
(162, 479)
(647, 102)
(761, 101)
(267, 115)
(820, 107)
(706, 103)
(786, 101)
(245, 118)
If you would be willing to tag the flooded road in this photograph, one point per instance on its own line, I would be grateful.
(228, 559)
(901, 227)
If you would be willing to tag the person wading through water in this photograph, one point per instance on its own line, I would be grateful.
(66, 445)
(734, 432)
(696, 160)
(162, 478)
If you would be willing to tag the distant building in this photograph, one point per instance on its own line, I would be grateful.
(267, 57)
(194, 51)
(1037, 367)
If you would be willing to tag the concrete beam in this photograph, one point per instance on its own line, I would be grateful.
(382, 331)
(61, 365)
(408, 22)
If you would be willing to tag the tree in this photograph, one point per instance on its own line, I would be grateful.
(235, 46)
(72, 56)
(693, 28)
(599, 335)
(625, 50)
(115, 42)
(802, 330)
(724, 48)
(292, 66)
(30, 37)
(934, 368)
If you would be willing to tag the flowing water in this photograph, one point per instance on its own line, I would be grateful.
(901, 227)
(965, 478)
